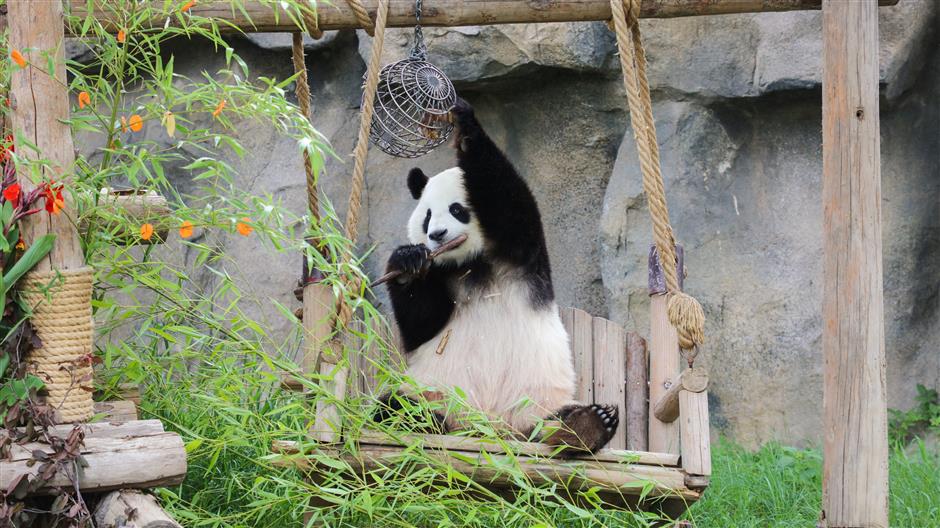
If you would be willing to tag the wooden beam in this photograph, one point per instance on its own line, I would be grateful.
(126, 455)
(666, 408)
(855, 448)
(118, 207)
(252, 16)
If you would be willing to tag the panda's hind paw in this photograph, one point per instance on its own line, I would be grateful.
(587, 428)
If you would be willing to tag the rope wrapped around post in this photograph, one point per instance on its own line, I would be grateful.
(685, 313)
(61, 304)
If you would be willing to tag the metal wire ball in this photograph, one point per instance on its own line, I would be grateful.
(412, 103)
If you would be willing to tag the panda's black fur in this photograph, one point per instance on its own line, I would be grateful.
(503, 272)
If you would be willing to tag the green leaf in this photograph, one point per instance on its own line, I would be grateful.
(40, 248)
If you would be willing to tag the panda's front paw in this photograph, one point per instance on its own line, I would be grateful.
(466, 124)
(411, 260)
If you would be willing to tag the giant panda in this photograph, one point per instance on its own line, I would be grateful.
(491, 300)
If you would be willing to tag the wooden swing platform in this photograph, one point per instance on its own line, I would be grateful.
(660, 449)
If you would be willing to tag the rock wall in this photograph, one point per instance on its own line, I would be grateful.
(737, 104)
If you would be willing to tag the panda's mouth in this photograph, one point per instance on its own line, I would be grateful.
(450, 245)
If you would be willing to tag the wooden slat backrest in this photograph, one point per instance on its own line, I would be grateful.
(599, 350)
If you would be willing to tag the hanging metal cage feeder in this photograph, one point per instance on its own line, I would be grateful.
(412, 104)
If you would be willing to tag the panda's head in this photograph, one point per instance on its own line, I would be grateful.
(443, 212)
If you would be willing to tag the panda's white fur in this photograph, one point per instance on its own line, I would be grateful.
(502, 349)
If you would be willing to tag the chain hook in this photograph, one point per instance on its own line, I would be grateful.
(419, 51)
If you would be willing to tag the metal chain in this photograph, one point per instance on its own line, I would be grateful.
(419, 51)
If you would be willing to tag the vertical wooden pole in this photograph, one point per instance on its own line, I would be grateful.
(664, 356)
(40, 115)
(855, 467)
(637, 408)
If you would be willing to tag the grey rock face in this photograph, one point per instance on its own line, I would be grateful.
(481, 53)
(737, 104)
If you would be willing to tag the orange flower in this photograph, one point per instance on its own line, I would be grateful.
(219, 108)
(53, 195)
(186, 7)
(20, 244)
(135, 123)
(83, 99)
(121, 36)
(186, 229)
(244, 227)
(18, 58)
(146, 231)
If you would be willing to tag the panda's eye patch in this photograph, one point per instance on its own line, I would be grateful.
(460, 213)
(427, 221)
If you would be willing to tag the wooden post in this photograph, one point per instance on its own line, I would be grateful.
(855, 467)
(40, 114)
(693, 426)
(664, 355)
(638, 393)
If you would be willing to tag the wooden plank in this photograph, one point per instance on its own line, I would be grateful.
(580, 329)
(117, 410)
(664, 370)
(135, 461)
(636, 414)
(666, 409)
(696, 444)
(611, 477)
(610, 344)
(251, 16)
(477, 444)
(317, 314)
(328, 424)
(855, 447)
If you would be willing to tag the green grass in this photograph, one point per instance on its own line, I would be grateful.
(780, 486)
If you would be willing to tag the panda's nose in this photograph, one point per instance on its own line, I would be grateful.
(438, 236)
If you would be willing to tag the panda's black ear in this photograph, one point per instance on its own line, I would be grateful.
(416, 182)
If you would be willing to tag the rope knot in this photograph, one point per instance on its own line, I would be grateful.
(686, 315)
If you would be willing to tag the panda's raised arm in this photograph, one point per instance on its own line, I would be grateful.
(504, 205)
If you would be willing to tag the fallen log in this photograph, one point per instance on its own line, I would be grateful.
(137, 454)
(131, 509)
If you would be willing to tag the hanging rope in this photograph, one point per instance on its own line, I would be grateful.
(685, 313)
(303, 101)
(362, 15)
(365, 122)
(344, 312)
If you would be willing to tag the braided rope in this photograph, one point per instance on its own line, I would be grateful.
(362, 15)
(685, 313)
(303, 101)
(61, 303)
(365, 123)
(312, 21)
